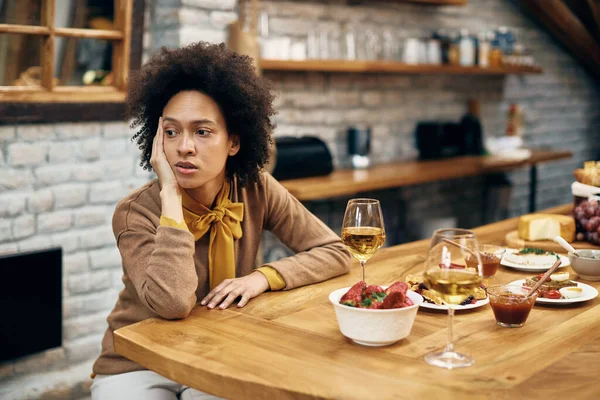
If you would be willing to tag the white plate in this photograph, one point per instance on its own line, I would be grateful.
(588, 293)
(535, 268)
(431, 306)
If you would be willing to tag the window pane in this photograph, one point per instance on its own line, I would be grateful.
(92, 14)
(21, 12)
(20, 60)
(83, 61)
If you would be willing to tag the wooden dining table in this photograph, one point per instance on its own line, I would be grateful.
(287, 344)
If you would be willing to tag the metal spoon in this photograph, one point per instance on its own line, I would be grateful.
(565, 245)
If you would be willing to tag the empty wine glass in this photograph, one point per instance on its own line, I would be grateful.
(448, 277)
(363, 232)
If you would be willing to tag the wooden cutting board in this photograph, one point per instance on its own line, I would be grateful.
(512, 240)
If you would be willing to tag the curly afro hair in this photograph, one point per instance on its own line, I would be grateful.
(228, 78)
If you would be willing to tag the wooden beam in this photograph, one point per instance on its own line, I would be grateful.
(47, 51)
(559, 19)
(103, 34)
(122, 49)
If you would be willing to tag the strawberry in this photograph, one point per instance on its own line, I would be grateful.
(355, 292)
(371, 291)
(397, 287)
(393, 300)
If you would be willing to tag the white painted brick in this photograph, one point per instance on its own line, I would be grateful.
(345, 99)
(132, 184)
(83, 349)
(35, 133)
(40, 201)
(5, 231)
(89, 172)
(222, 19)
(105, 258)
(55, 221)
(60, 152)
(7, 133)
(117, 279)
(371, 98)
(92, 216)
(78, 130)
(113, 147)
(15, 179)
(52, 174)
(86, 325)
(23, 226)
(41, 362)
(97, 237)
(37, 242)
(90, 149)
(167, 16)
(30, 154)
(12, 204)
(69, 241)
(69, 195)
(89, 303)
(117, 168)
(116, 129)
(7, 248)
(89, 282)
(210, 4)
(106, 192)
(188, 16)
(76, 263)
(193, 34)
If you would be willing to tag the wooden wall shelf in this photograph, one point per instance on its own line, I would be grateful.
(388, 67)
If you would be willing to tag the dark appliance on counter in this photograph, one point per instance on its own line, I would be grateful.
(359, 145)
(449, 139)
(301, 157)
(31, 301)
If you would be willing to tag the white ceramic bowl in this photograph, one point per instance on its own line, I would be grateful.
(375, 327)
(587, 265)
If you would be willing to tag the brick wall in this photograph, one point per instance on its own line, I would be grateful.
(59, 183)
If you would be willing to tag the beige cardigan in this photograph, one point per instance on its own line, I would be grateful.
(165, 272)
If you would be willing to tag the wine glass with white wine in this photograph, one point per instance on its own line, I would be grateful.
(363, 232)
(449, 278)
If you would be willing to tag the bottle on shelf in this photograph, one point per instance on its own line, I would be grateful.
(514, 121)
(483, 50)
(466, 49)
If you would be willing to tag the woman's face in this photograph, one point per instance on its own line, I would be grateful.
(196, 140)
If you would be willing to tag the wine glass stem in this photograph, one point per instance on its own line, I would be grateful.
(362, 264)
(450, 344)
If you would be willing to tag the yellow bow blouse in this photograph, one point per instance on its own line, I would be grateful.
(224, 223)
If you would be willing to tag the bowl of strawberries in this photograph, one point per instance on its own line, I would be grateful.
(373, 315)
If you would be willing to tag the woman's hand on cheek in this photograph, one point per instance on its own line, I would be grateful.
(159, 162)
(225, 293)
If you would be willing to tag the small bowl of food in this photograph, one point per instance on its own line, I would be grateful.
(511, 305)
(586, 263)
(375, 315)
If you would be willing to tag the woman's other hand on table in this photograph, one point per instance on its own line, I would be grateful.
(227, 291)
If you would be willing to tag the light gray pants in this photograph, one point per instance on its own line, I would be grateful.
(143, 385)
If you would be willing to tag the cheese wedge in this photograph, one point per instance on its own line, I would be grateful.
(546, 227)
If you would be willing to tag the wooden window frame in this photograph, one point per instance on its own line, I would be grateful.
(70, 103)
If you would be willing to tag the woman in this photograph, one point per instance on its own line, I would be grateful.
(192, 235)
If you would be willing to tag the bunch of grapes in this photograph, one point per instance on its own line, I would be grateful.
(587, 219)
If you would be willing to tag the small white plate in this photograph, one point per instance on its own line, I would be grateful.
(431, 306)
(531, 268)
(588, 293)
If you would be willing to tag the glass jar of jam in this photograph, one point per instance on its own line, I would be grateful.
(510, 304)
